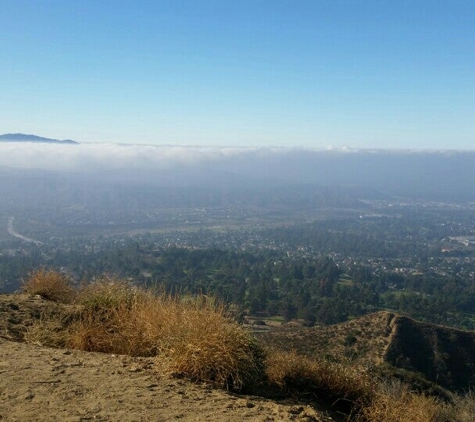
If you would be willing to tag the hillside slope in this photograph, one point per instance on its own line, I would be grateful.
(442, 356)
(445, 356)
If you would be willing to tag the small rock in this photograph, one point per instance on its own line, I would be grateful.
(152, 386)
(295, 410)
(29, 395)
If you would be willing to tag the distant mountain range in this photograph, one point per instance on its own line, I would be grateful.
(21, 137)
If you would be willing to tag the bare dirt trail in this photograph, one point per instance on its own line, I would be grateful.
(43, 384)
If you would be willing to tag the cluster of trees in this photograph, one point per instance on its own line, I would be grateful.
(389, 262)
(260, 283)
(270, 282)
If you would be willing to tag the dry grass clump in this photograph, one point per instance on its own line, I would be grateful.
(463, 408)
(394, 402)
(358, 394)
(50, 285)
(107, 293)
(193, 337)
(108, 320)
(50, 330)
(203, 342)
(341, 384)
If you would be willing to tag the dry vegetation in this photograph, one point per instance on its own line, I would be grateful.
(51, 285)
(193, 337)
(196, 338)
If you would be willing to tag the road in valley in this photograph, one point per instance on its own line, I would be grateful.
(12, 231)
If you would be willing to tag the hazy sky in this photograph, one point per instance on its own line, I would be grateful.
(312, 73)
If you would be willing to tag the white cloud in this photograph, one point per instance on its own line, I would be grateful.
(96, 156)
(107, 156)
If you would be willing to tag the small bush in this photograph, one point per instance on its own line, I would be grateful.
(111, 319)
(50, 285)
(358, 394)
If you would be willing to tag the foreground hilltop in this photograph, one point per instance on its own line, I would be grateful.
(394, 344)
(42, 384)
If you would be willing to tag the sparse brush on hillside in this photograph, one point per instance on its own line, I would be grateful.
(340, 384)
(196, 338)
(50, 284)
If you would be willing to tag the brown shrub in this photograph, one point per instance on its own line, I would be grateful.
(50, 284)
(295, 373)
(394, 402)
(204, 343)
(110, 320)
(463, 409)
(193, 337)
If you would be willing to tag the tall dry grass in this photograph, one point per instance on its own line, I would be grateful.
(361, 396)
(194, 337)
(463, 409)
(392, 401)
(343, 386)
(50, 284)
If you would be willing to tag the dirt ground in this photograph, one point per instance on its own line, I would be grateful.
(43, 384)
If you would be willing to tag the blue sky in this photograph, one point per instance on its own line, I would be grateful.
(367, 74)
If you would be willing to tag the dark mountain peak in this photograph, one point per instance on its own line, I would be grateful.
(21, 137)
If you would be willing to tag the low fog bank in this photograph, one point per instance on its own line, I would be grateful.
(431, 174)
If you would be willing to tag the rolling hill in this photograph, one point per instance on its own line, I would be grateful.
(428, 356)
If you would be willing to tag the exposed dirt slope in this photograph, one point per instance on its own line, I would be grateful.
(43, 384)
